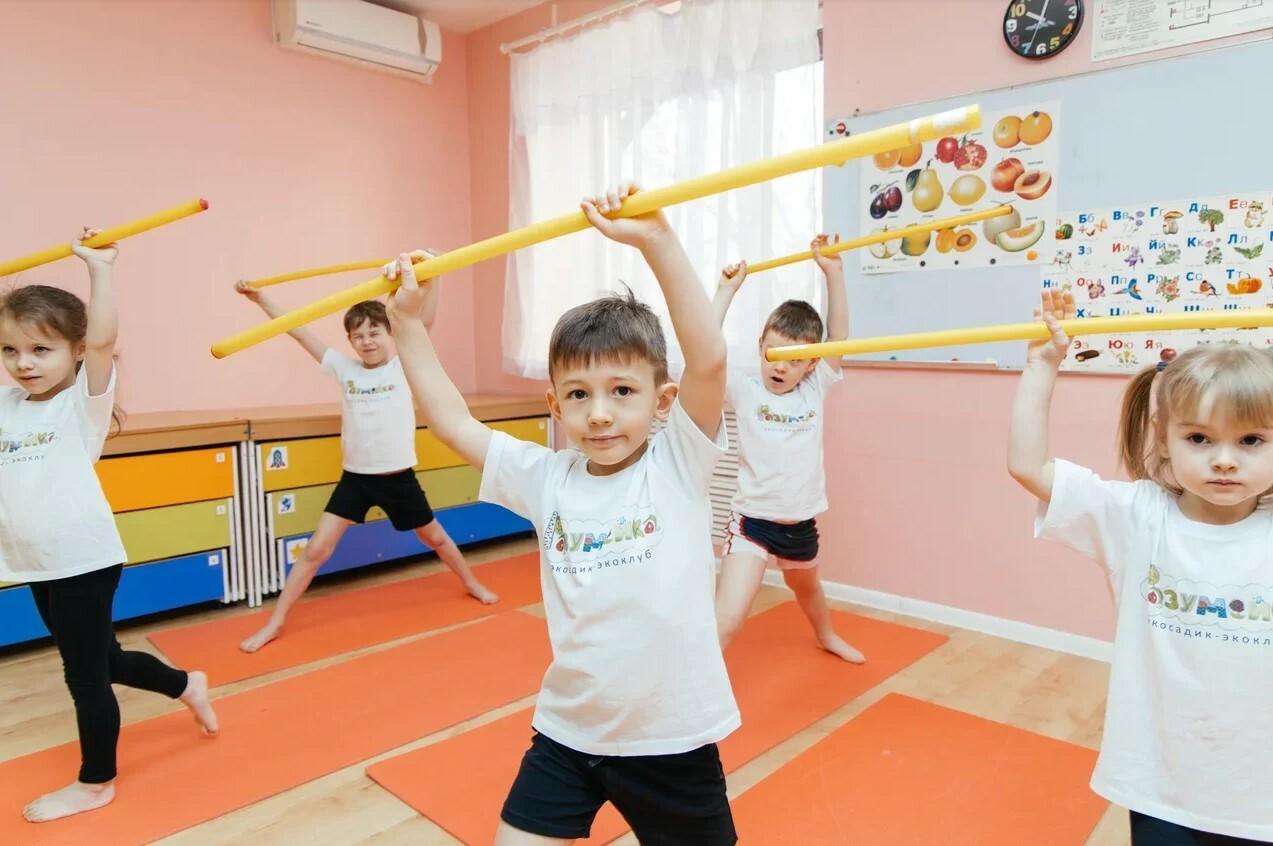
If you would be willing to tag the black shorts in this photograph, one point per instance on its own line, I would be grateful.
(668, 800)
(789, 541)
(399, 494)
(1149, 831)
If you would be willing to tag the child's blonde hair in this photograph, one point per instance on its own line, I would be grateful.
(1233, 379)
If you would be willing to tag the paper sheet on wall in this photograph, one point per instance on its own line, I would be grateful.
(1011, 159)
(1188, 255)
(1129, 27)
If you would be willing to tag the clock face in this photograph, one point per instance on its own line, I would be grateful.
(1039, 29)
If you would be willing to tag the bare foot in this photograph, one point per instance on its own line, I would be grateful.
(481, 594)
(196, 699)
(267, 633)
(75, 798)
(836, 646)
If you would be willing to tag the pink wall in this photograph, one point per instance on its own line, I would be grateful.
(132, 106)
(921, 505)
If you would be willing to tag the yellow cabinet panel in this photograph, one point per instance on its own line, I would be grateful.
(307, 462)
(155, 534)
(533, 429)
(296, 512)
(430, 453)
(300, 463)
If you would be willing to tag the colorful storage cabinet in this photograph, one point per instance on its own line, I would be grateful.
(213, 506)
(177, 503)
(298, 476)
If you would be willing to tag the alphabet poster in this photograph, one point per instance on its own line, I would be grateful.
(1209, 253)
(1011, 160)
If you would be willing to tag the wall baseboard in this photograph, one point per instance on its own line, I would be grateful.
(1072, 644)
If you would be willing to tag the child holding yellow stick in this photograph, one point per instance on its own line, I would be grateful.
(377, 440)
(637, 695)
(781, 480)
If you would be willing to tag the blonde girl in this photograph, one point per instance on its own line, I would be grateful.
(1188, 547)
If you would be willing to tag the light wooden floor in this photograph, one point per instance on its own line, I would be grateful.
(1046, 692)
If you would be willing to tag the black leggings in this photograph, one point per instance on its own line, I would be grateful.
(77, 612)
(1148, 831)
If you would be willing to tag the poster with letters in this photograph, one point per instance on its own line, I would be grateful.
(1199, 254)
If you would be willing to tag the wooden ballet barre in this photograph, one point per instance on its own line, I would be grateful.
(106, 236)
(868, 143)
(881, 237)
(1028, 331)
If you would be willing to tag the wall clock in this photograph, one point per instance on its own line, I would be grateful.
(1039, 29)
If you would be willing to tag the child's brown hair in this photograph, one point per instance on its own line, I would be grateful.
(367, 311)
(612, 328)
(797, 320)
(57, 312)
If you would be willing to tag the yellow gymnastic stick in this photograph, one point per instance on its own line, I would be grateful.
(770, 264)
(880, 237)
(1029, 331)
(318, 271)
(837, 152)
(107, 236)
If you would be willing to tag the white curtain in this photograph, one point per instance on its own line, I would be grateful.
(660, 98)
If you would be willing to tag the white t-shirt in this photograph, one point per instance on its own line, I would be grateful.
(55, 521)
(377, 417)
(628, 576)
(1189, 721)
(780, 473)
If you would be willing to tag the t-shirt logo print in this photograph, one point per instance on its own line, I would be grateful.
(28, 447)
(766, 414)
(1232, 608)
(590, 542)
(352, 389)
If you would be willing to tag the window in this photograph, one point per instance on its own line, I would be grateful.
(639, 114)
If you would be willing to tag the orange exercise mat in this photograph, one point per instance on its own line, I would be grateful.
(282, 735)
(349, 620)
(782, 681)
(905, 771)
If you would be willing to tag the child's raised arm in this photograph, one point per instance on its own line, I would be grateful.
(306, 338)
(731, 279)
(702, 389)
(1028, 459)
(837, 296)
(102, 319)
(432, 292)
(444, 409)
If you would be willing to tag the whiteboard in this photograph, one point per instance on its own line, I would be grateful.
(1189, 126)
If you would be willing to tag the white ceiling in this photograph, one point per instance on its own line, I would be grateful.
(461, 15)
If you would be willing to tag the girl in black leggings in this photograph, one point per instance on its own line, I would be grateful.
(57, 532)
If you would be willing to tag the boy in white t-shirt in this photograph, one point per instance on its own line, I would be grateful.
(637, 695)
(781, 481)
(377, 442)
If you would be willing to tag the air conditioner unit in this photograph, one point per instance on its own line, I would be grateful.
(362, 33)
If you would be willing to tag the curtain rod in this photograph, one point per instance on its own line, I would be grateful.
(574, 23)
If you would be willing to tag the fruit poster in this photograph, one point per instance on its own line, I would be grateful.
(1207, 253)
(1011, 160)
